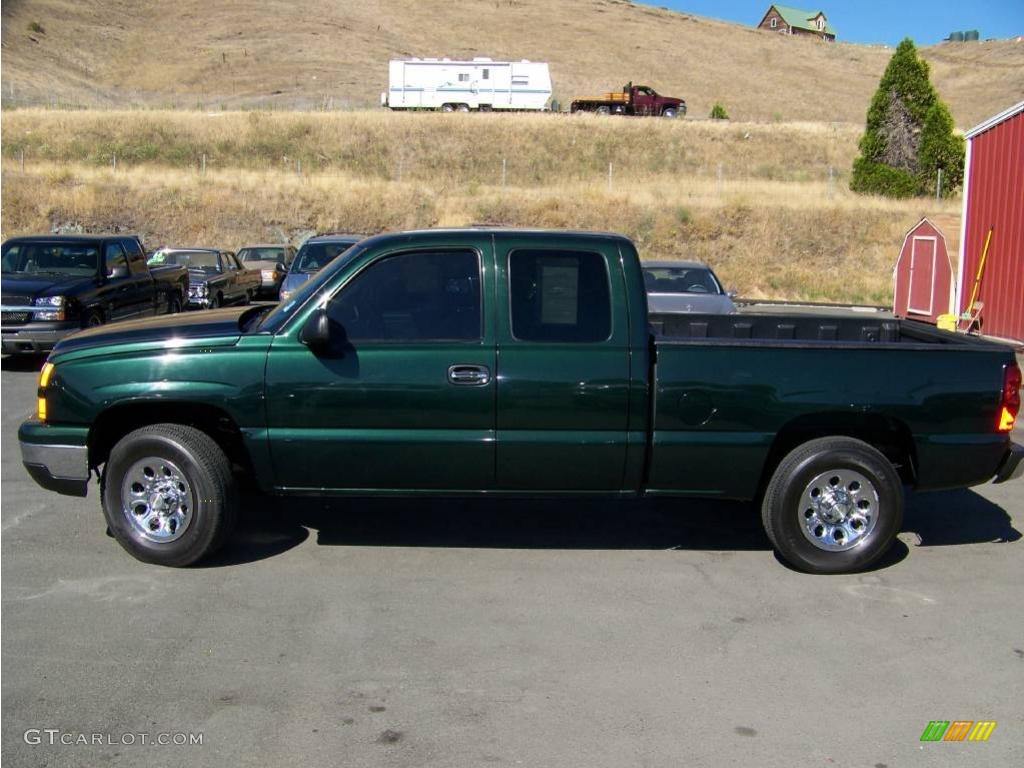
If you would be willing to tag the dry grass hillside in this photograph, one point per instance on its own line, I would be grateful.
(772, 227)
(333, 53)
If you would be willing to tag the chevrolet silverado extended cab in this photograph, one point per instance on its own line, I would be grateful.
(54, 285)
(518, 362)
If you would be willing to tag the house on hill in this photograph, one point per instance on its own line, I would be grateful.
(793, 21)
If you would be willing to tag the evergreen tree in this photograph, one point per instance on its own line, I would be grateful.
(890, 161)
(941, 149)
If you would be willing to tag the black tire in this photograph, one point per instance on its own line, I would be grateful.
(92, 319)
(215, 301)
(173, 305)
(447, 107)
(670, 113)
(603, 110)
(790, 519)
(211, 493)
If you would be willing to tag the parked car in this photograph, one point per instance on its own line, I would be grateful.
(685, 286)
(631, 100)
(54, 285)
(271, 261)
(315, 254)
(216, 278)
(519, 362)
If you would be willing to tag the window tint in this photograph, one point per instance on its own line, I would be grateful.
(136, 259)
(427, 295)
(113, 255)
(559, 296)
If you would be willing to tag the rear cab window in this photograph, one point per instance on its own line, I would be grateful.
(559, 296)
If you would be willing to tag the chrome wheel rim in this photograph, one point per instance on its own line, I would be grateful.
(156, 499)
(838, 510)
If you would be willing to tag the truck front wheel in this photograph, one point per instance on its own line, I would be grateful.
(603, 110)
(669, 113)
(833, 505)
(168, 494)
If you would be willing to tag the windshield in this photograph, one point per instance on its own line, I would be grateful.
(261, 254)
(680, 280)
(207, 261)
(315, 256)
(70, 259)
(273, 321)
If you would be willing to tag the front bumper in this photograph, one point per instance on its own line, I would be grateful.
(1012, 466)
(60, 468)
(35, 338)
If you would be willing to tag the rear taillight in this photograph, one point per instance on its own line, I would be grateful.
(1010, 406)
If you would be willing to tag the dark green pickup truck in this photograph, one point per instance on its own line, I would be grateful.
(518, 362)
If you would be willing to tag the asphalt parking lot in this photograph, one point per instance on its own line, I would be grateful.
(459, 633)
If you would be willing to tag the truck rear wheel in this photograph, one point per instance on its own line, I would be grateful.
(168, 494)
(833, 505)
(447, 107)
(603, 110)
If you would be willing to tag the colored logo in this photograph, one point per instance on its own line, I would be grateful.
(958, 730)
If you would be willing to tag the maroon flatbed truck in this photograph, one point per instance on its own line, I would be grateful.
(632, 100)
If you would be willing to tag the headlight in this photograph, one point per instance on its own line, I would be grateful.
(198, 290)
(55, 308)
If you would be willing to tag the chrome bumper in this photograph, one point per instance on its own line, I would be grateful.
(60, 468)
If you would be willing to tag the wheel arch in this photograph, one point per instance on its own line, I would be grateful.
(117, 421)
(889, 435)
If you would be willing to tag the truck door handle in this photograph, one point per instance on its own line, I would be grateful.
(469, 375)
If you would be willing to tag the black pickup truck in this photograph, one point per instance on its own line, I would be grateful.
(55, 285)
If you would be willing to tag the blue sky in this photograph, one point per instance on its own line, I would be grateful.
(879, 21)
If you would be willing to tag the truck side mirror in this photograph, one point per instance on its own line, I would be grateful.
(117, 271)
(316, 333)
(280, 267)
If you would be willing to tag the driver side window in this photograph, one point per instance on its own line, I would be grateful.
(113, 256)
(418, 296)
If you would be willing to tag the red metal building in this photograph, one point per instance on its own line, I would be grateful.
(923, 285)
(994, 201)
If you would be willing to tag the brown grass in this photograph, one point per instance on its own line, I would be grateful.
(770, 230)
(319, 53)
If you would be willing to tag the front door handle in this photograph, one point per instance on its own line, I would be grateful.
(469, 375)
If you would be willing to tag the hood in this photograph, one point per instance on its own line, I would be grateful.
(296, 279)
(699, 303)
(197, 276)
(23, 288)
(217, 327)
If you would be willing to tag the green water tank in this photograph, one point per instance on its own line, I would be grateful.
(956, 37)
(971, 35)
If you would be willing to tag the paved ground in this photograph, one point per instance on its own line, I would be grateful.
(461, 634)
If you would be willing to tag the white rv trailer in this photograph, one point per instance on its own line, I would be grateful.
(459, 86)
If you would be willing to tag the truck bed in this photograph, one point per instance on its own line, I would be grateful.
(731, 389)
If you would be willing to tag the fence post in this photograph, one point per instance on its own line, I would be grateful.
(298, 167)
(720, 174)
(504, 170)
(115, 162)
(609, 176)
(831, 182)
(204, 163)
(938, 185)
(22, 159)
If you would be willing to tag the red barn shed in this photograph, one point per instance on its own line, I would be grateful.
(923, 285)
(994, 201)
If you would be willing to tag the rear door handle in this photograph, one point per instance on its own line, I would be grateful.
(469, 375)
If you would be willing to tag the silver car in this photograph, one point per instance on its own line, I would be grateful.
(315, 254)
(685, 286)
(271, 261)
